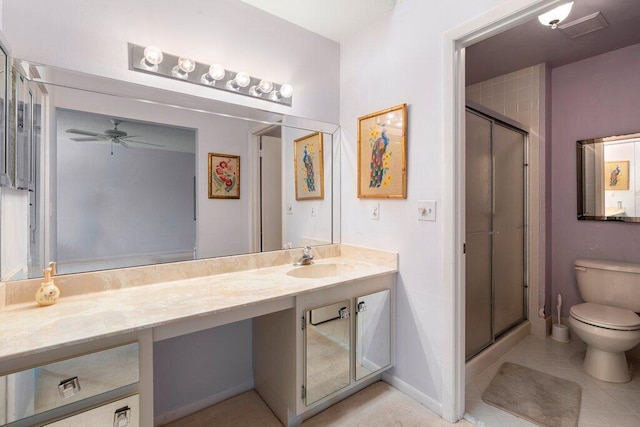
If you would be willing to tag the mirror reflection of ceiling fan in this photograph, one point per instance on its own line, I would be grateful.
(115, 136)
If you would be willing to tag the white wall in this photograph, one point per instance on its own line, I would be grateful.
(399, 59)
(14, 233)
(92, 37)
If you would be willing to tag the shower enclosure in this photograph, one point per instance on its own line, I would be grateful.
(495, 229)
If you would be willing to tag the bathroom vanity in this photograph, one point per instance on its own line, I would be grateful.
(88, 360)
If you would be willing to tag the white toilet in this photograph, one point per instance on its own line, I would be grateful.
(607, 321)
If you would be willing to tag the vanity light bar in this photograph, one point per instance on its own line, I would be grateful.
(151, 60)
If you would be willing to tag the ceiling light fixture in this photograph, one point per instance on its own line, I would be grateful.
(555, 16)
(152, 60)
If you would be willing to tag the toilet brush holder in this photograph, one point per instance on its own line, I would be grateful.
(560, 333)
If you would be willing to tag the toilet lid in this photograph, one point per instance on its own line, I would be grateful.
(605, 316)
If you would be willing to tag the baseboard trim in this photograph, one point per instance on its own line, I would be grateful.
(194, 407)
(412, 392)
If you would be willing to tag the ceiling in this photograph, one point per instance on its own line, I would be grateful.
(532, 43)
(334, 19)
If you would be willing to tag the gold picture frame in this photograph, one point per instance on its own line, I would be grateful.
(382, 148)
(616, 175)
(224, 176)
(308, 161)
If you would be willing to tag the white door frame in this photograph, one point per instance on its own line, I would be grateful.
(496, 20)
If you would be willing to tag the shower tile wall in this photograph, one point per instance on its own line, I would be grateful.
(515, 95)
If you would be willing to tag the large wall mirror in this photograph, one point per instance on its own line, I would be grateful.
(109, 174)
(608, 178)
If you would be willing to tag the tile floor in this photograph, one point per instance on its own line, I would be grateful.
(378, 405)
(603, 404)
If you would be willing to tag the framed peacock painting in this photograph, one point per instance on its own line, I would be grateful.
(382, 148)
(309, 168)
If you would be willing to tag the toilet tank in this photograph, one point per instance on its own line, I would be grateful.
(609, 283)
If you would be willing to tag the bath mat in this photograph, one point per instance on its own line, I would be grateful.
(535, 396)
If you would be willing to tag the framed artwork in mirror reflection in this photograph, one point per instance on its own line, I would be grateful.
(616, 175)
(309, 168)
(382, 147)
(224, 176)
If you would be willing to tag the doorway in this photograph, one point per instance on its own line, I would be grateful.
(270, 187)
(495, 241)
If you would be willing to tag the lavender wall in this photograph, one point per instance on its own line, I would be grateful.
(591, 98)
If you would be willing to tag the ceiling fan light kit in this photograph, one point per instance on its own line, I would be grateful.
(114, 136)
(152, 60)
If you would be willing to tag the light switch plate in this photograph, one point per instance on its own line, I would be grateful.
(289, 208)
(426, 210)
(314, 210)
(375, 211)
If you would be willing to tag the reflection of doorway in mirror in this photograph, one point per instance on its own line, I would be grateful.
(270, 176)
(616, 175)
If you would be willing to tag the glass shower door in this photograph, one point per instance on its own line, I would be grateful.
(495, 230)
(508, 221)
(479, 226)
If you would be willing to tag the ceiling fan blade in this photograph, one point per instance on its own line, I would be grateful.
(86, 132)
(130, 136)
(124, 144)
(86, 139)
(145, 143)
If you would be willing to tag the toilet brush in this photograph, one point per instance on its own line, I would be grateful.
(559, 307)
(560, 332)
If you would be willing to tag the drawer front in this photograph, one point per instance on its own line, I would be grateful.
(57, 384)
(122, 413)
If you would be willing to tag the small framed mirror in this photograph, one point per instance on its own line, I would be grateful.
(607, 178)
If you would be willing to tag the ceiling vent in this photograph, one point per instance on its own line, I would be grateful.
(584, 25)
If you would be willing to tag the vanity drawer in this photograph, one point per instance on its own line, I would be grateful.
(121, 413)
(46, 387)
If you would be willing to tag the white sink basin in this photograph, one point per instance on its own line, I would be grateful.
(318, 271)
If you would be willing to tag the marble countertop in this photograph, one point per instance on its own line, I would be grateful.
(27, 329)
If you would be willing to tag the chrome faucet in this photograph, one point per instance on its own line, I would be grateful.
(306, 258)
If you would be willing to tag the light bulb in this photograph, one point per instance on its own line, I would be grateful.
(265, 86)
(241, 79)
(555, 16)
(216, 72)
(286, 90)
(152, 57)
(184, 67)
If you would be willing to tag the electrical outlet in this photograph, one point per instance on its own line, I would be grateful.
(426, 210)
(314, 211)
(375, 211)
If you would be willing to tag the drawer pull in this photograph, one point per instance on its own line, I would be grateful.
(68, 388)
(122, 417)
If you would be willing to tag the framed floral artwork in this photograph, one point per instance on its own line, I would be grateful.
(382, 147)
(309, 168)
(224, 176)
(616, 175)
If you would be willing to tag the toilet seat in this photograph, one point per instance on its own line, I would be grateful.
(604, 316)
